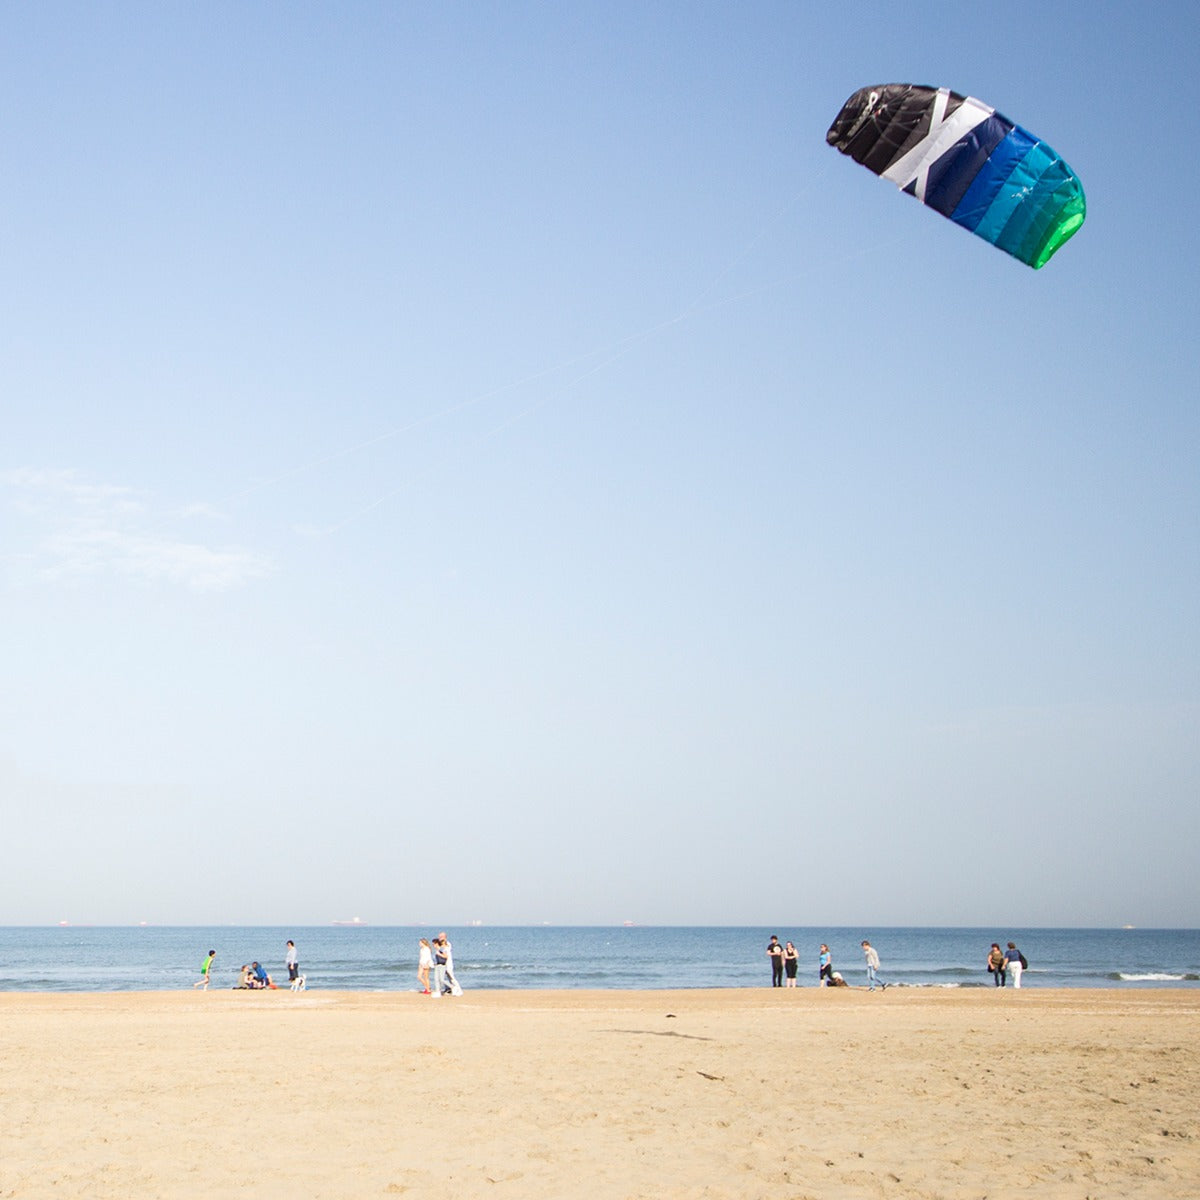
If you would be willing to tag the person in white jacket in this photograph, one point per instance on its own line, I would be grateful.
(452, 986)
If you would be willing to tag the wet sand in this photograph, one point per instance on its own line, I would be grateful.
(726, 1093)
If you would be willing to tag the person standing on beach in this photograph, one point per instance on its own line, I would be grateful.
(791, 960)
(995, 964)
(1014, 961)
(872, 957)
(293, 964)
(202, 982)
(441, 956)
(452, 985)
(424, 962)
(825, 965)
(775, 954)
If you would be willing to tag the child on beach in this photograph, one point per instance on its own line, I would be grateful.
(202, 982)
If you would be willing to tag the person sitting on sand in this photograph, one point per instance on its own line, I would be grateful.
(245, 977)
(261, 978)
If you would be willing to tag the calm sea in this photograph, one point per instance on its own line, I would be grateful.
(378, 958)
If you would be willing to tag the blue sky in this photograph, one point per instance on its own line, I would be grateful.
(496, 462)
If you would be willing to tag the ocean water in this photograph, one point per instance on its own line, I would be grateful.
(379, 958)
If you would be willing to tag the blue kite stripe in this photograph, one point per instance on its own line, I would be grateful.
(953, 173)
(1021, 183)
(993, 175)
(1016, 231)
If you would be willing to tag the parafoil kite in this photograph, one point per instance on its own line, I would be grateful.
(962, 158)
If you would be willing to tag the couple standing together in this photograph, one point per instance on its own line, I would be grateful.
(1002, 963)
(440, 957)
(783, 958)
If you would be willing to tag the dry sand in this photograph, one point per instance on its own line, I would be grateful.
(733, 1093)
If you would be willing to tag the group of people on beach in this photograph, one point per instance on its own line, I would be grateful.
(785, 960)
(1003, 963)
(253, 975)
(438, 957)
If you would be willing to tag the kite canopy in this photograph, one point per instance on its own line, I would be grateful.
(961, 157)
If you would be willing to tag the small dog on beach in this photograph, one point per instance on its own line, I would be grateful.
(298, 984)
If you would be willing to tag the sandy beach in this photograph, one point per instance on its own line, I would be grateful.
(730, 1093)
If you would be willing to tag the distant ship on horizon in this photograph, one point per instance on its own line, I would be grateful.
(352, 921)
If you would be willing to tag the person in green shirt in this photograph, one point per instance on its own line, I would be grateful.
(202, 982)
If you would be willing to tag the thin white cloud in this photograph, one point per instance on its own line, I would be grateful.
(200, 509)
(37, 488)
(81, 528)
